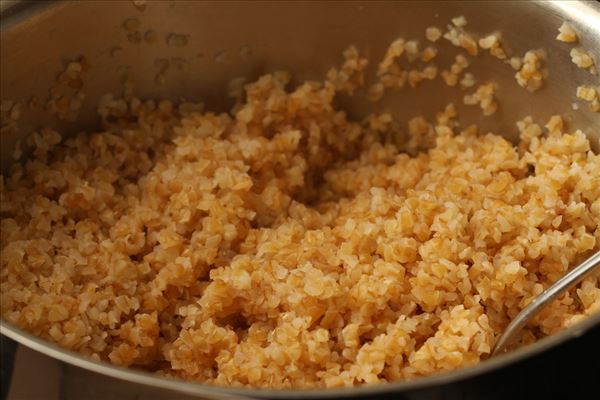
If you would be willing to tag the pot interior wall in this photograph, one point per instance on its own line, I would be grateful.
(227, 40)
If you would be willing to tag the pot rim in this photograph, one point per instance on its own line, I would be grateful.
(202, 389)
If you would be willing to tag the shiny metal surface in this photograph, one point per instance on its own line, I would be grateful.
(570, 279)
(233, 39)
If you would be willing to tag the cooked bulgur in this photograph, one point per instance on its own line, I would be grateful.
(285, 245)
(566, 33)
(587, 93)
(351, 75)
(459, 65)
(492, 43)
(390, 73)
(530, 74)
(583, 59)
(468, 80)
(459, 38)
(411, 49)
(433, 33)
(415, 76)
(429, 53)
(66, 97)
(484, 96)
(516, 63)
(591, 95)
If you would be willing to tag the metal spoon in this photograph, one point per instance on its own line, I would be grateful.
(570, 279)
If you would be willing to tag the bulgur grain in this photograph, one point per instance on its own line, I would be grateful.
(177, 39)
(566, 33)
(415, 76)
(591, 95)
(468, 80)
(428, 54)
(484, 96)
(530, 74)
(351, 74)
(583, 59)
(459, 38)
(433, 33)
(459, 65)
(411, 49)
(516, 63)
(389, 72)
(492, 43)
(459, 21)
(66, 97)
(587, 93)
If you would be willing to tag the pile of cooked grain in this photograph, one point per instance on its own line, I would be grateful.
(283, 245)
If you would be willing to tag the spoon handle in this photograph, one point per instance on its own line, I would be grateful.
(570, 279)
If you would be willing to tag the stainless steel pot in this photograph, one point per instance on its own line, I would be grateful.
(225, 40)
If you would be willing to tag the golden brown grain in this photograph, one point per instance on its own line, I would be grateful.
(285, 245)
(566, 33)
